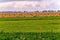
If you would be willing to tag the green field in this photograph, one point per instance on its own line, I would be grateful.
(34, 24)
(30, 28)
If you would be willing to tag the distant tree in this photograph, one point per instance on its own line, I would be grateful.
(58, 11)
(25, 11)
(44, 11)
(50, 11)
(36, 11)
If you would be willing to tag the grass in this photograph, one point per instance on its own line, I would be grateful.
(34, 24)
(31, 18)
(29, 36)
(35, 28)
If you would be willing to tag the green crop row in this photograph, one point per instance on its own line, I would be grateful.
(29, 36)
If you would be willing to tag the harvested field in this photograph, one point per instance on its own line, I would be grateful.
(29, 14)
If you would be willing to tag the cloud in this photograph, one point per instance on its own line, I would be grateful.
(19, 5)
(17, 0)
(30, 5)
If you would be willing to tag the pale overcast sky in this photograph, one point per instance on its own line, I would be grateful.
(29, 5)
(18, 0)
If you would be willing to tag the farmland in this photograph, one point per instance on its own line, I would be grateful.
(30, 28)
(34, 24)
(27, 14)
(34, 27)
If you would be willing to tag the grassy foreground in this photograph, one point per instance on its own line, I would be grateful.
(34, 24)
(29, 36)
(35, 28)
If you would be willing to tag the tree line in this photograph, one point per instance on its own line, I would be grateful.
(31, 11)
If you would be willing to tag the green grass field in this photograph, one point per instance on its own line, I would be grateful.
(35, 28)
(34, 24)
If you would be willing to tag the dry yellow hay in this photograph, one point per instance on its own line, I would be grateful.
(29, 14)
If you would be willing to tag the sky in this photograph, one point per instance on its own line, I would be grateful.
(29, 5)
